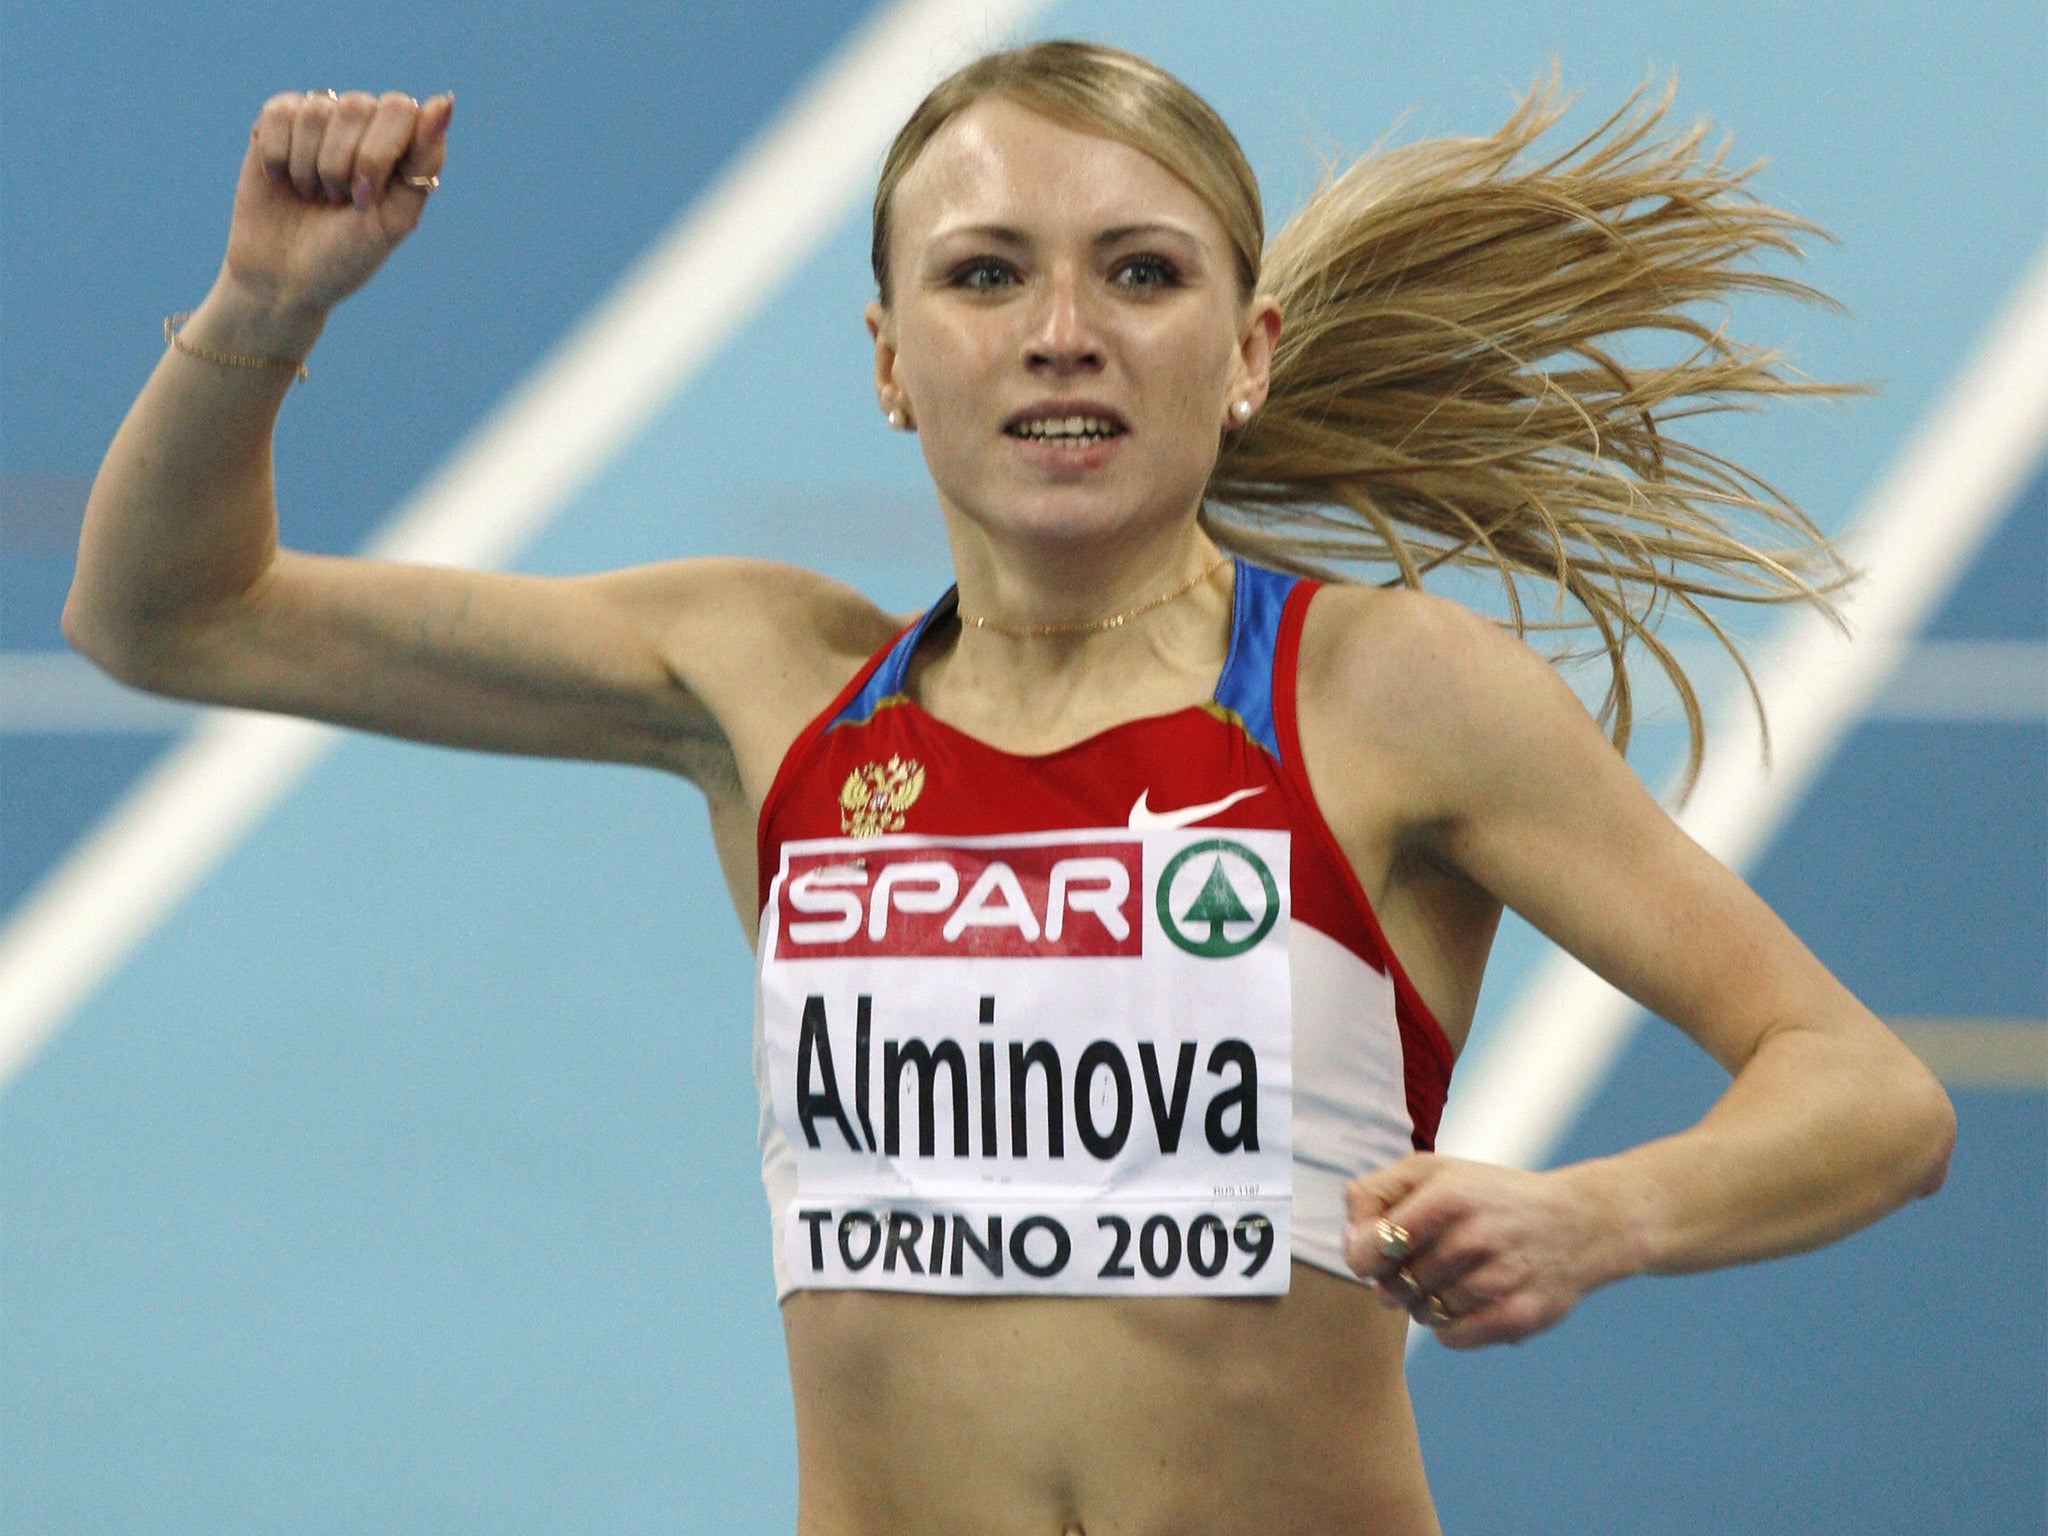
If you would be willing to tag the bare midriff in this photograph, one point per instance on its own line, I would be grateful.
(1043, 1416)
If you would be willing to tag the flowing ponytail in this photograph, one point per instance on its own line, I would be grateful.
(1461, 378)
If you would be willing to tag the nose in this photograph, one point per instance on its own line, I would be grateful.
(1063, 336)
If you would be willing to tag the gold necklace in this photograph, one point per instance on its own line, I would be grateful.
(1092, 626)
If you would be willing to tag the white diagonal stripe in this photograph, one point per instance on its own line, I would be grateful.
(687, 298)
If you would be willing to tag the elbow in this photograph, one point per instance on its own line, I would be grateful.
(128, 652)
(85, 632)
(1933, 1118)
(1920, 1127)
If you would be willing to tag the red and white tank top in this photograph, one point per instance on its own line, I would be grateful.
(1111, 1020)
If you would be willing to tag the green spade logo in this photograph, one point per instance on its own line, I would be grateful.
(1203, 928)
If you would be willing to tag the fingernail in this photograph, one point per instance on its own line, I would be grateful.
(363, 190)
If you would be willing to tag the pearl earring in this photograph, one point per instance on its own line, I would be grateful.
(1242, 410)
(896, 418)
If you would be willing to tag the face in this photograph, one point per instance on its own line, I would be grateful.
(1064, 329)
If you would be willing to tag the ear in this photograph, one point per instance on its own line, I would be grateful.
(1252, 371)
(881, 326)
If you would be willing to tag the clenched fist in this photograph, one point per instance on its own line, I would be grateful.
(323, 196)
(1481, 1254)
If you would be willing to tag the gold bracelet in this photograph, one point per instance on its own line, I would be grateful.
(173, 335)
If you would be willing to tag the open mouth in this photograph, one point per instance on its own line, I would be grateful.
(1075, 430)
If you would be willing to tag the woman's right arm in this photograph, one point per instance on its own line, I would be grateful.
(182, 589)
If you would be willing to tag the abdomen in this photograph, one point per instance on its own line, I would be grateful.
(1047, 1415)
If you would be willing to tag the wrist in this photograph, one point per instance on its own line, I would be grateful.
(234, 317)
(1623, 1216)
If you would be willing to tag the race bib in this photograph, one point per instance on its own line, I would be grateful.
(1053, 1063)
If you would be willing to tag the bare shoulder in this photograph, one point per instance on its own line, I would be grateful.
(1379, 638)
(1424, 682)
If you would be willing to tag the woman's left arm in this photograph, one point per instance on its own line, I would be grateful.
(1829, 1122)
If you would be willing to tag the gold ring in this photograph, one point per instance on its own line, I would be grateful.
(1392, 1240)
(421, 183)
(1434, 1313)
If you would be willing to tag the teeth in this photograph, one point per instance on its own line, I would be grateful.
(1068, 428)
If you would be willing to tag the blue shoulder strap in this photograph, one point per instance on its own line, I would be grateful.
(1246, 686)
(1245, 689)
(886, 681)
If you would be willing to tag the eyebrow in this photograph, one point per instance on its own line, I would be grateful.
(1125, 232)
(1004, 234)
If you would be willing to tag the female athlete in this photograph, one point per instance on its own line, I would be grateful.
(1119, 920)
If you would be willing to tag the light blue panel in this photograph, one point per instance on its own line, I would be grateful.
(405, 1181)
(779, 450)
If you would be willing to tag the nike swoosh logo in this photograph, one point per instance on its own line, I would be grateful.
(1145, 819)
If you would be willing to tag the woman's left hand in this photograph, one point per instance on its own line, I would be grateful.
(1501, 1252)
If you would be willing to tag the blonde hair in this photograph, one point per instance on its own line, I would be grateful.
(1459, 379)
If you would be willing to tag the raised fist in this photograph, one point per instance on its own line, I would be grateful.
(330, 185)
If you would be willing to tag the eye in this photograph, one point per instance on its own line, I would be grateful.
(984, 273)
(1146, 273)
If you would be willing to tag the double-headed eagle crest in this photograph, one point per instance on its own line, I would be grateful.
(875, 796)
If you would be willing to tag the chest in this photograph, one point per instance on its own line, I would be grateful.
(902, 771)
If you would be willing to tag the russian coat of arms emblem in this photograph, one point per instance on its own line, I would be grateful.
(875, 796)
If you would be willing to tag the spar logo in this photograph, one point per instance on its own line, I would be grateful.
(1217, 898)
(1079, 897)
